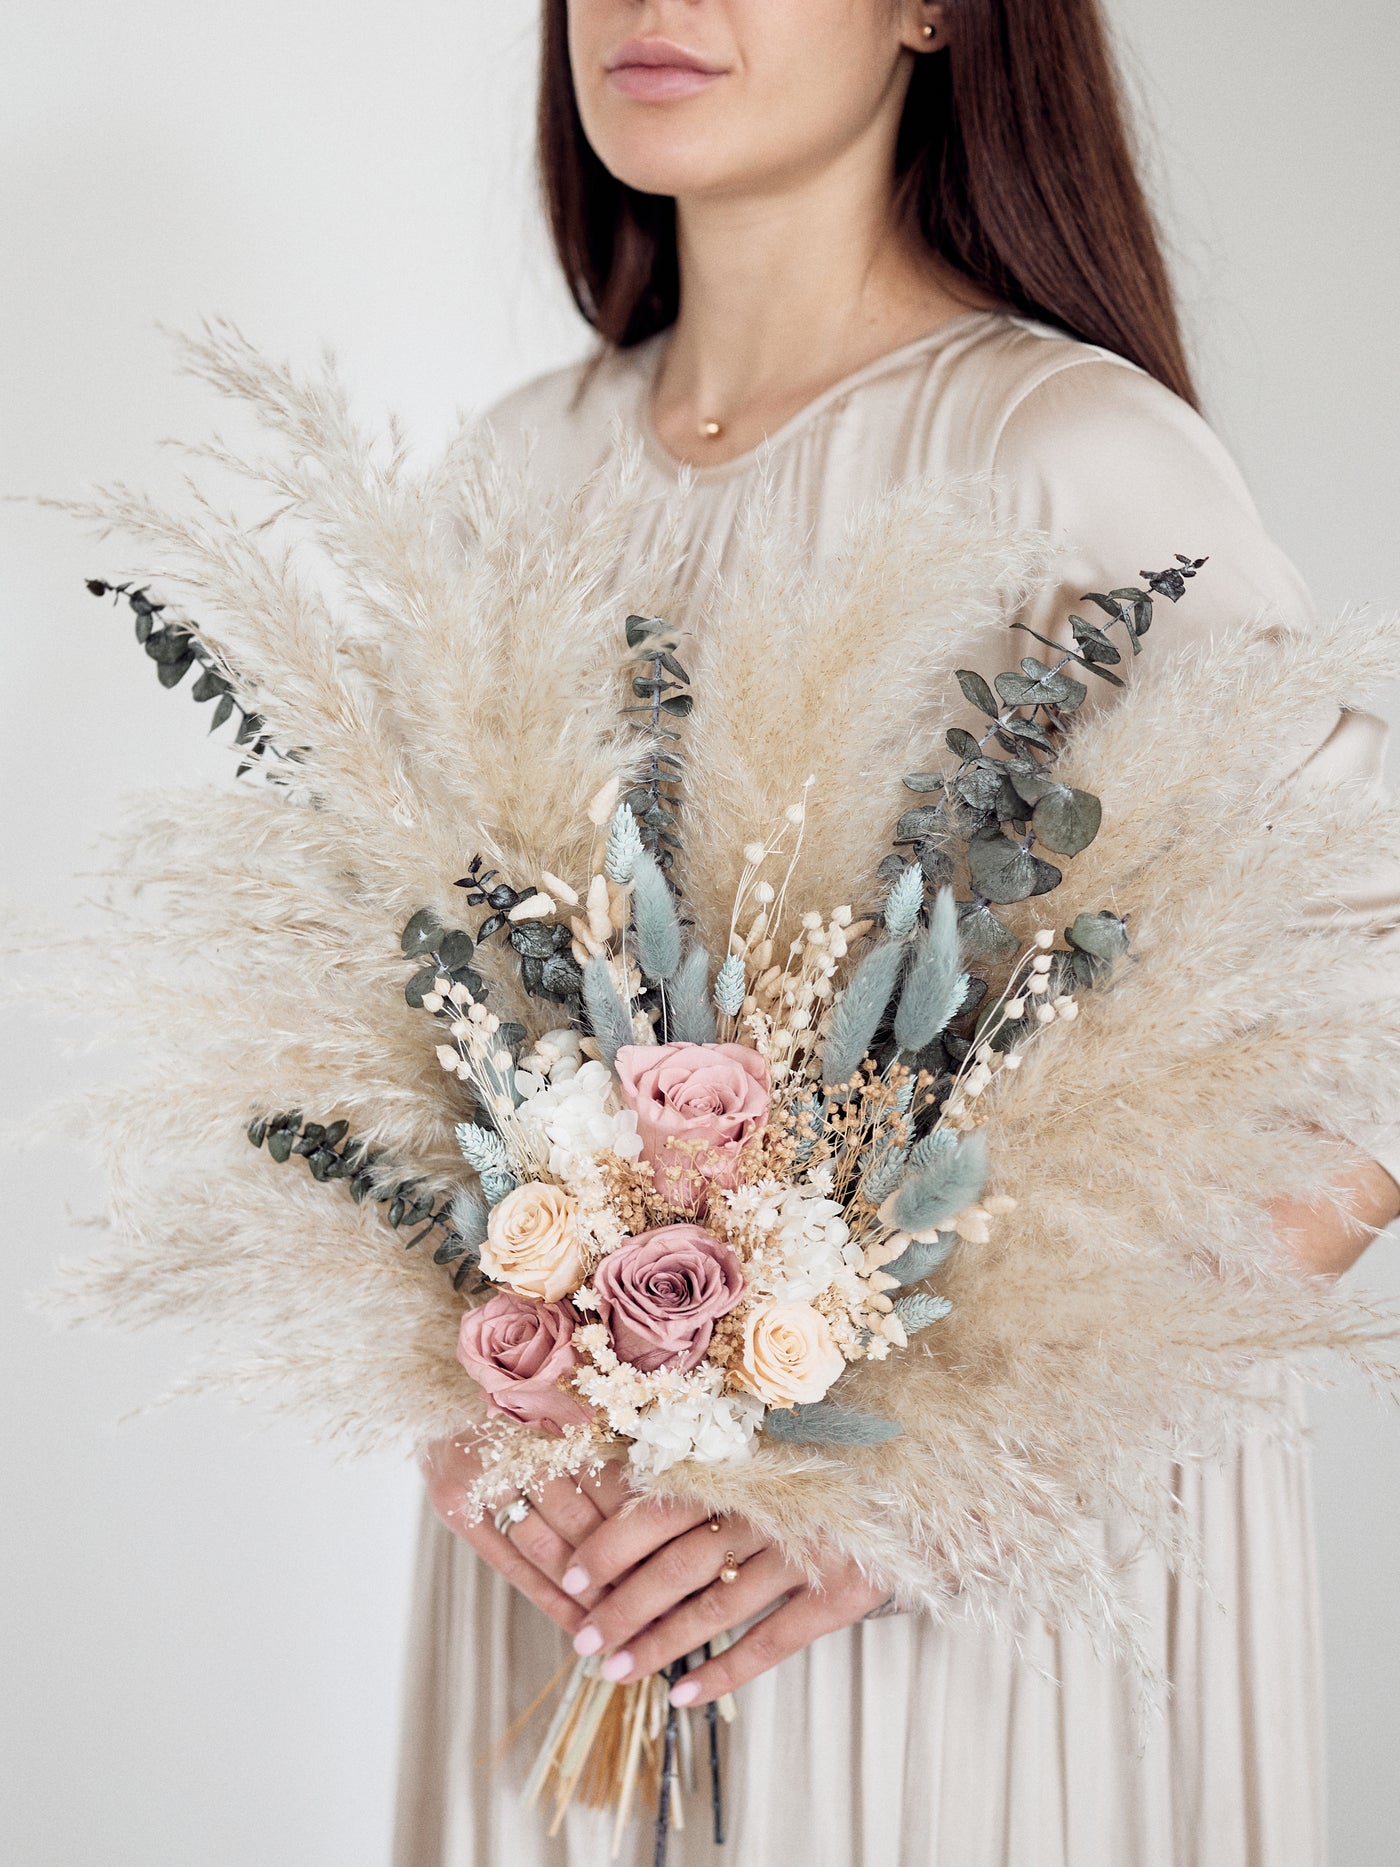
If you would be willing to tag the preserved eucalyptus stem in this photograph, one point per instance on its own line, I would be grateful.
(176, 648)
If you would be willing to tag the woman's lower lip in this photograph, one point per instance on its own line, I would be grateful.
(656, 83)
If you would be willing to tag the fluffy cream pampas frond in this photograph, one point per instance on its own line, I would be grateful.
(446, 648)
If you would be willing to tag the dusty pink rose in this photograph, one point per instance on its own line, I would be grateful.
(696, 1105)
(518, 1352)
(661, 1293)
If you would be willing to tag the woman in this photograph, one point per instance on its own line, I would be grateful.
(840, 243)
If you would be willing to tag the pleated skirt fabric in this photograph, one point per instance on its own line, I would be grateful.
(901, 1744)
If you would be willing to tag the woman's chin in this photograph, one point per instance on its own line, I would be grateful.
(657, 152)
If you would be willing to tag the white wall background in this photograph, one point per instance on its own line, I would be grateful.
(202, 1620)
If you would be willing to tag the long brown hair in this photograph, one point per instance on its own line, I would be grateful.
(1014, 162)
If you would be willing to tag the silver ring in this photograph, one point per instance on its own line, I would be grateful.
(883, 1610)
(516, 1511)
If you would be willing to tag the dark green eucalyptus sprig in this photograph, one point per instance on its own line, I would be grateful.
(331, 1154)
(662, 690)
(548, 968)
(1030, 714)
(1002, 808)
(442, 953)
(176, 648)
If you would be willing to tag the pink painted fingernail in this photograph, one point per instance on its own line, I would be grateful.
(685, 1693)
(617, 1666)
(575, 1580)
(587, 1640)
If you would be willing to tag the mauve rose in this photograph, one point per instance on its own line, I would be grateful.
(518, 1352)
(696, 1105)
(660, 1295)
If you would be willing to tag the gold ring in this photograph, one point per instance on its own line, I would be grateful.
(730, 1572)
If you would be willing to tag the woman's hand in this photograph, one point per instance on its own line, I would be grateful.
(657, 1570)
(534, 1553)
(1327, 1242)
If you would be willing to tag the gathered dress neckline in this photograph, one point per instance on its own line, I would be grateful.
(661, 456)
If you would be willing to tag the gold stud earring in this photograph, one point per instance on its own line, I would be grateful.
(928, 32)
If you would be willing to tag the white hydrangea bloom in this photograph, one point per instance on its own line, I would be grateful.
(576, 1117)
(710, 1428)
(814, 1247)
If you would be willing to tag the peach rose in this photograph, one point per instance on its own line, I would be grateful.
(518, 1353)
(696, 1106)
(532, 1243)
(790, 1357)
(661, 1293)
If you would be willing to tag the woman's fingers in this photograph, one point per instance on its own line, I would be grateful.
(567, 1509)
(533, 1553)
(609, 1488)
(804, 1617)
(654, 1587)
(625, 1540)
(765, 1578)
(535, 1539)
(519, 1570)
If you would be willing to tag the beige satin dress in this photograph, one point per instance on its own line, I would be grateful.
(899, 1744)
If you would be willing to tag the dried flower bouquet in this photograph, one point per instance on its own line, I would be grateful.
(823, 1189)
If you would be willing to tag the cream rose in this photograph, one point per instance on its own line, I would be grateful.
(790, 1356)
(532, 1243)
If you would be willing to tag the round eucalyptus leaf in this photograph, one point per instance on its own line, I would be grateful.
(962, 743)
(1102, 935)
(982, 936)
(279, 1144)
(455, 949)
(420, 983)
(925, 820)
(421, 934)
(1000, 869)
(924, 781)
(1047, 876)
(980, 785)
(1067, 820)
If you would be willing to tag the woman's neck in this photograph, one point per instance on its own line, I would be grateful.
(782, 295)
